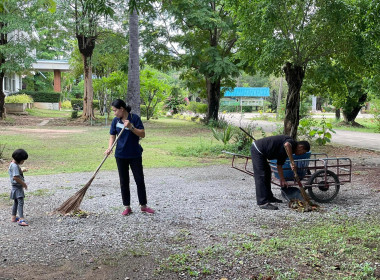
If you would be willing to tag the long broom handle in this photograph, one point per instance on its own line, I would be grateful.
(113, 145)
(247, 133)
(302, 189)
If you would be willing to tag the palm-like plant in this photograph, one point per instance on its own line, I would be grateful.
(224, 136)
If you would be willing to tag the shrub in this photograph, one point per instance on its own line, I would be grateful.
(220, 123)
(76, 103)
(197, 107)
(323, 132)
(153, 112)
(247, 109)
(192, 106)
(19, 98)
(202, 108)
(74, 114)
(39, 96)
(175, 103)
(306, 125)
(66, 104)
(242, 140)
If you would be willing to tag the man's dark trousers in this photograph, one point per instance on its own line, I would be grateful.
(262, 175)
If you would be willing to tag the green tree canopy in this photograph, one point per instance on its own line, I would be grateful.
(347, 78)
(155, 86)
(199, 37)
(286, 36)
(17, 42)
(84, 19)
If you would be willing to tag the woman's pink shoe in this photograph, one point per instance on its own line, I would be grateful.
(147, 210)
(126, 212)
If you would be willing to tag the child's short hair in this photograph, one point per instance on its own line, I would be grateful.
(305, 144)
(20, 155)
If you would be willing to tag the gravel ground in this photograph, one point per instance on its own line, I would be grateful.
(201, 203)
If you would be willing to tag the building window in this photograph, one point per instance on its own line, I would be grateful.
(13, 83)
(5, 82)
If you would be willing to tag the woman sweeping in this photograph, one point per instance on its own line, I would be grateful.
(128, 153)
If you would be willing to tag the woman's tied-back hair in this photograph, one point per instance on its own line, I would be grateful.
(118, 103)
(20, 155)
(305, 145)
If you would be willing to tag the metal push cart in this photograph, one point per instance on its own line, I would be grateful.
(320, 175)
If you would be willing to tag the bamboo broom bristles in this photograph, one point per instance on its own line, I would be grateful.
(72, 204)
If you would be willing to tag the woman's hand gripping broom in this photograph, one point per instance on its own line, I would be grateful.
(73, 203)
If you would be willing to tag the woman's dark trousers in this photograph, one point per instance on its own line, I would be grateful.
(123, 165)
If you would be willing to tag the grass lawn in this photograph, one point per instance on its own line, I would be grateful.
(168, 143)
(369, 125)
(44, 113)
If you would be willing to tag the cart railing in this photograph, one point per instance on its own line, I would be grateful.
(241, 166)
(342, 167)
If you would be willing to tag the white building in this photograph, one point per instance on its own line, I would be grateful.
(12, 83)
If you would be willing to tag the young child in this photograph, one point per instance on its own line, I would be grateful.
(16, 176)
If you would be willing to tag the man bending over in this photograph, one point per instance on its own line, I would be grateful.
(269, 148)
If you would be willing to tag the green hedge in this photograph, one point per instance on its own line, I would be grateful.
(38, 96)
(76, 103)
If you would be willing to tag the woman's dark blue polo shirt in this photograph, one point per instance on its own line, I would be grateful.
(128, 144)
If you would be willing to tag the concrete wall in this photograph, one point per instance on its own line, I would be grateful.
(17, 107)
(45, 105)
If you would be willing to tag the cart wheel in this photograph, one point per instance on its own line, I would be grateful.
(322, 190)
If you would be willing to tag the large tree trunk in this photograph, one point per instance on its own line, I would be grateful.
(294, 75)
(337, 113)
(350, 114)
(133, 91)
(213, 98)
(2, 96)
(86, 46)
(88, 96)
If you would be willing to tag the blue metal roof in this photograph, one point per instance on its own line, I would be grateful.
(248, 92)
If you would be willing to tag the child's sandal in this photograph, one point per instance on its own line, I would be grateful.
(15, 220)
(22, 223)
